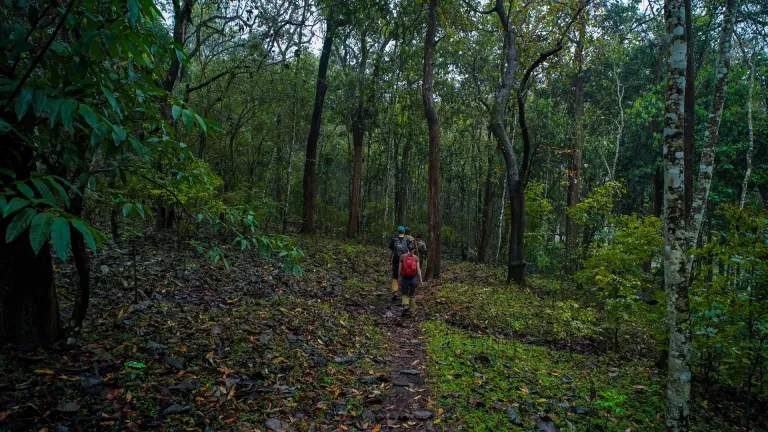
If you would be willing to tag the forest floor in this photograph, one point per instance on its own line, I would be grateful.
(247, 348)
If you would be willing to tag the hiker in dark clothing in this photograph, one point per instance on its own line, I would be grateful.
(410, 278)
(398, 247)
(421, 248)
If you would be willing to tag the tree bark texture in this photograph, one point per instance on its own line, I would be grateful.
(487, 213)
(310, 163)
(515, 192)
(433, 210)
(572, 229)
(358, 133)
(681, 233)
(29, 308)
(689, 109)
(675, 233)
(751, 148)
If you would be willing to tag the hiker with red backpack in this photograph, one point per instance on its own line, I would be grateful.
(398, 247)
(410, 278)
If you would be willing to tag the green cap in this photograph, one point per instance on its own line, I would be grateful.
(401, 229)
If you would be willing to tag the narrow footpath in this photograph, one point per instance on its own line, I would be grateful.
(407, 404)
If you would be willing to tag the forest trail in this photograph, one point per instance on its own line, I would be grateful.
(408, 401)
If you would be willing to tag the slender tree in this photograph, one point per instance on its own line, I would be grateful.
(310, 157)
(358, 133)
(680, 232)
(433, 216)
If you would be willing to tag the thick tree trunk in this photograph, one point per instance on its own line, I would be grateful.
(29, 308)
(680, 233)
(433, 210)
(572, 229)
(487, 213)
(310, 163)
(675, 232)
(358, 133)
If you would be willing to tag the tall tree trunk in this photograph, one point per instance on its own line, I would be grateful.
(29, 308)
(433, 213)
(658, 179)
(358, 133)
(689, 109)
(572, 229)
(515, 263)
(487, 213)
(680, 233)
(310, 163)
(675, 233)
(751, 148)
(400, 166)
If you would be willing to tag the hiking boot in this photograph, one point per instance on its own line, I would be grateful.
(395, 296)
(406, 312)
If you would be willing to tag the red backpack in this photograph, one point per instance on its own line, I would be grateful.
(409, 266)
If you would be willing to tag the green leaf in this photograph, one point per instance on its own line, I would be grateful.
(180, 55)
(188, 118)
(60, 237)
(15, 205)
(89, 115)
(83, 228)
(135, 365)
(19, 223)
(44, 190)
(26, 190)
(4, 126)
(127, 209)
(176, 110)
(39, 97)
(118, 134)
(112, 101)
(201, 122)
(40, 230)
(53, 110)
(60, 189)
(22, 102)
(133, 11)
(68, 108)
(140, 208)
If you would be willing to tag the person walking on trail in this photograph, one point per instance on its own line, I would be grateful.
(411, 239)
(421, 247)
(410, 278)
(398, 247)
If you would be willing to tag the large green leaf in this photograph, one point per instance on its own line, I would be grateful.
(175, 110)
(133, 11)
(188, 118)
(83, 228)
(15, 205)
(39, 97)
(22, 102)
(112, 101)
(19, 223)
(89, 115)
(61, 191)
(53, 110)
(201, 122)
(60, 237)
(44, 190)
(39, 230)
(68, 108)
(25, 190)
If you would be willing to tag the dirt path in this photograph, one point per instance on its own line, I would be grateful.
(407, 403)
